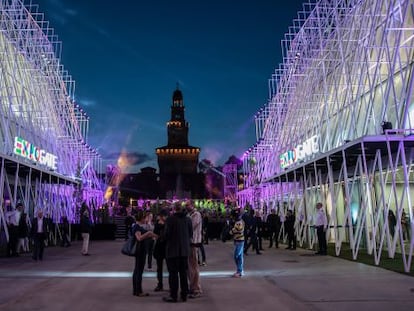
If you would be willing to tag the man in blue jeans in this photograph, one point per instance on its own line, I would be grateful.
(238, 237)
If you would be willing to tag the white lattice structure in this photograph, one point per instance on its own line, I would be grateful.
(44, 156)
(230, 182)
(339, 126)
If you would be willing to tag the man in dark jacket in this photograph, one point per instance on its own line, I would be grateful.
(252, 222)
(178, 232)
(273, 225)
(290, 230)
(39, 235)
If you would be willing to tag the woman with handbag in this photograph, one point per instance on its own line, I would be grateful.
(142, 237)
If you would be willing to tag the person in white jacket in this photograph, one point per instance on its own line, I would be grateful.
(321, 224)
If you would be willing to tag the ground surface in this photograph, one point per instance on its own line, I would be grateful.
(278, 279)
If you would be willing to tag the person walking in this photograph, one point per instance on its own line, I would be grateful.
(321, 224)
(290, 230)
(178, 232)
(39, 234)
(196, 243)
(273, 225)
(142, 235)
(65, 232)
(85, 227)
(237, 232)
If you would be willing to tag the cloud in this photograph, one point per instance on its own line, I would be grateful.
(129, 158)
(60, 12)
(213, 154)
(102, 31)
(71, 12)
(85, 102)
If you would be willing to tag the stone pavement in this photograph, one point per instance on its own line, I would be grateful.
(279, 279)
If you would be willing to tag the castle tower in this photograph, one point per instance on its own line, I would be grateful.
(178, 160)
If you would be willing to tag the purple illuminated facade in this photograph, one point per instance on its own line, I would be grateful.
(46, 161)
(338, 128)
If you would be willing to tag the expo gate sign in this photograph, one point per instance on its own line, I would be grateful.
(300, 152)
(29, 151)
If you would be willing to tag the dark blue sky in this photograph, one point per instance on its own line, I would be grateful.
(126, 57)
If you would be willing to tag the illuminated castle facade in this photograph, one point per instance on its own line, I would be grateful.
(178, 160)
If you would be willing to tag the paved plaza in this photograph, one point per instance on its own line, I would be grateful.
(279, 279)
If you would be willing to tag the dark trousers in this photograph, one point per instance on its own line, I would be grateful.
(150, 250)
(274, 235)
(178, 270)
(138, 271)
(259, 241)
(13, 239)
(205, 236)
(65, 239)
(160, 262)
(252, 242)
(321, 240)
(291, 239)
(38, 245)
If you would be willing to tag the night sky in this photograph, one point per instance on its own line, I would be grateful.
(127, 56)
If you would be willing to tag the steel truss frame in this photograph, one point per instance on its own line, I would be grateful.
(37, 104)
(230, 182)
(348, 67)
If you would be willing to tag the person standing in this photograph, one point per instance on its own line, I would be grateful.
(149, 226)
(23, 234)
(12, 219)
(290, 230)
(321, 224)
(65, 232)
(178, 232)
(405, 224)
(205, 227)
(238, 238)
(247, 223)
(142, 235)
(392, 222)
(196, 243)
(159, 248)
(273, 224)
(85, 226)
(260, 228)
(39, 235)
(252, 234)
(129, 221)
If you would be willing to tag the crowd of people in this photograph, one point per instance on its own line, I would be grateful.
(176, 236)
(33, 235)
(179, 237)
